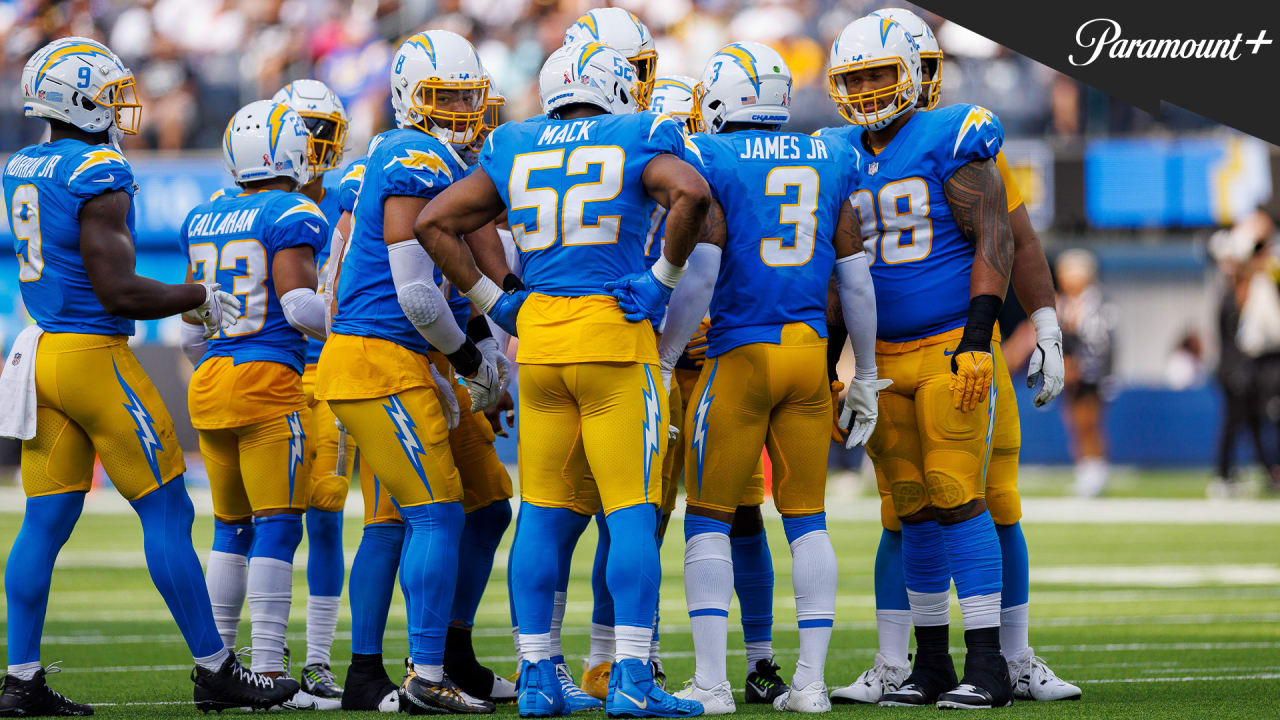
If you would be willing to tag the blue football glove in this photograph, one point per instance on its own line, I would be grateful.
(504, 311)
(641, 296)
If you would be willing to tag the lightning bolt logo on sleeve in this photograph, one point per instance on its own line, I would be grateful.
(93, 158)
(146, 427)
(404, 427)
(977, 117)
(297, 439)
(700, 422)
(652, 421)
(423, 160)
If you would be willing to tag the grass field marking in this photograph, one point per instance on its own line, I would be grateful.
(1185, 678)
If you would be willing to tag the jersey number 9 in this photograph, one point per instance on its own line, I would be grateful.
(26, 231)
(571, 208)
(250, 287)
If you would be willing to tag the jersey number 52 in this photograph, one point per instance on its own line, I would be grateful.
(564, 215)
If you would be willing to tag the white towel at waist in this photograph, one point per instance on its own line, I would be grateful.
(18, 386)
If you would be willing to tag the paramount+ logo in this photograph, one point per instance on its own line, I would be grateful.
(1103, 36)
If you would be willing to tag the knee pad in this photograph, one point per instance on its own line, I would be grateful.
(1005, 506)
(328, 492)
(946, 490)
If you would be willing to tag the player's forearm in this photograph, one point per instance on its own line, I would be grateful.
(858, 302)
(487, 252)
(685, 216)
(440, 238)
(1031, 279)
(140, 298)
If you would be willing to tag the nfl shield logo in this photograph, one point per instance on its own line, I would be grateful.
(872, 168)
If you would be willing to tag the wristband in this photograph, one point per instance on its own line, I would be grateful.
(667, 273)
(466, 359)
(478, 328)
(837, 334)
(984, 310)
(1045, 321)
(512, 283)
(485, 294)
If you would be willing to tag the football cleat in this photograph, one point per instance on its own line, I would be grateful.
(538, 694)
(575, 700)
(318, 680)
(595, 681)
(369, 687)
(1033, 680)
(764, 684)
(985, 684)
(632, 694)
(420, 696)
(234, 686)
(931, 676)
(659, 675)
(717, 700)
(872, 684)
(24, 698)
(811, 698)
(303, 700)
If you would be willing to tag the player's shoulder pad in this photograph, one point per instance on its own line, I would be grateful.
(95, 169)
(660, 131)
(350, 182)
(969, 132)
(416, 164)
(293, 219)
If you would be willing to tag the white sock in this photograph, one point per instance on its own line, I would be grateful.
(1013, 630)
(431, 673)
(757, 651)
(601, 645)
(655, 653)
(813, 576)
(632, 642)
(708, 589)
(515, 640)
(25, 671)
(557, 621)
(213, 662)
(893, 627)
(270, 593)
(322, 620)
(980, 611)
(226, 577)
(929, 609)
(535, 646)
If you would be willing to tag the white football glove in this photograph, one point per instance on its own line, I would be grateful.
(1046, 360)
(483, 386)
(219, 311)
(489, 349)
(858, 416)
(448, 399)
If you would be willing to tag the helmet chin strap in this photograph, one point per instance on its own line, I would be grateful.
(114, 136)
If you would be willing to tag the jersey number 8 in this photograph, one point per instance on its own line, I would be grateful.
(250, 287)
(901, 208)
(572, 206)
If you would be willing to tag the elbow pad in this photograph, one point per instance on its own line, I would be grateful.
(858, 302)
(304, 310)
(193, 342)
(422, 302)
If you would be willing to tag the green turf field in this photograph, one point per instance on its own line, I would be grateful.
(1174, 616)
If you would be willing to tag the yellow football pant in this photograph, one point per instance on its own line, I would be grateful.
(258, 467)
(754, 492)
(329, 482)
(925, 452)
(613, 412)
(758, 396)
(93, 398)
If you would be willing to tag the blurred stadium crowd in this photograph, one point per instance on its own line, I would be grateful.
(198, 60)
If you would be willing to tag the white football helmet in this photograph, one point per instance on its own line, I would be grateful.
(930, 53)
(673, 95)
(870, 42)
(621, 30)
(439, 86)
(325, 117)
(265, 140)
(79, 81)
(493, 104)
(590, 74)
(745, 82)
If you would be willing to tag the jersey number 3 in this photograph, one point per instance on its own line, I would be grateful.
(896, 220)
(250, 286)
(563, 216)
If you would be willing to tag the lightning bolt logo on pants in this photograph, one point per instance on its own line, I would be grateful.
(296, 441)
(146, 427)
(700, 422)
(652, 419)
(409, 442)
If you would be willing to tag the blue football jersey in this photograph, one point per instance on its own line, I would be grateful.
(403, 162)
(781, 193)
(920, 261)
(577, 204)
(233, 240)
(330, 205)
(349, 185)
(45, 187)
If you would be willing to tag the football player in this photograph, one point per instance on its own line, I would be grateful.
(778, 230)
(71, 212)
(1032, 678)
(621, 30)
(587, 361)
(374, 370)
(932, 205)
(329, 449)
(245, 396)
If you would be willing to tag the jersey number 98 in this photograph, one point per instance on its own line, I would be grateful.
(901, 208)
(250, 287)
(570, 208)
